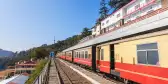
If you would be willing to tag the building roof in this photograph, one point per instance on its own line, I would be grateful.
(18, 79)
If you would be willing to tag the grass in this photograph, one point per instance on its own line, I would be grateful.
(37, 71)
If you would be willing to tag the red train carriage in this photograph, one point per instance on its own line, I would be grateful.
(61, 55)
(68, 56)
(142, 60)
(83, 56)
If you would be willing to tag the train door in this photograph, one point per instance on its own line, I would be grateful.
(98, 56)
(112, 58)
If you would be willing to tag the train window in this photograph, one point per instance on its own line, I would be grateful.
(102, 54)
(82, 54)
(148, 54)
(147, 46)
(75, 54)
(86, 54)
(142, 57)
(78, 54)
(152, 57)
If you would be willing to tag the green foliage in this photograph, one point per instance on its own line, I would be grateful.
(41, 53)
(116, 4)
(69, 42)
(86, 32)
(32, 53)
(35, 53)
(103, 11)
(38, 53)
(37, 71)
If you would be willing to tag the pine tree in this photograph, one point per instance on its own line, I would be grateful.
(116, 4)
(103, 11)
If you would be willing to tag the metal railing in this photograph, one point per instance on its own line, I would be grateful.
(43, 77)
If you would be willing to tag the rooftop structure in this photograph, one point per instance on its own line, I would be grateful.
(25, 66)
(135, 17)
(18, 79)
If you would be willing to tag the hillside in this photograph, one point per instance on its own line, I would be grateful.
(5, 53)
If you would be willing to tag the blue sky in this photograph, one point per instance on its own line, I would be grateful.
(28, 23)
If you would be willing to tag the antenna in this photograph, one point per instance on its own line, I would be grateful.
(54, 39)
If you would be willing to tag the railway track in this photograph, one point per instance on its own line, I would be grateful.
(67, 75)
(111, 78)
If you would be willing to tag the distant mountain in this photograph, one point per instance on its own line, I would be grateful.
(5, 53)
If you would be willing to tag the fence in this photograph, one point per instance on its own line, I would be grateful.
(43, 77)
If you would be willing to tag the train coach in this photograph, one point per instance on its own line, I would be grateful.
(132, 47)
(61, 55)
(142, 59)
(83, 56)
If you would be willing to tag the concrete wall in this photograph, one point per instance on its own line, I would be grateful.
(112, 19)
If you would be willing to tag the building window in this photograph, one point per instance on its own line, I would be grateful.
(94, 29)
(118, 15)
(107, 29)
(147, 1)
(104, 30)
(150, 11)
(107, 21)
(86, 54)
(148, 54)
(137, 6)
(102, 54)
(102, 24)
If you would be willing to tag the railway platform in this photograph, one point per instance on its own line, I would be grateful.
(53, 74)
(91, 76)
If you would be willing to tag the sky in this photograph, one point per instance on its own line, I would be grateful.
(30, 23)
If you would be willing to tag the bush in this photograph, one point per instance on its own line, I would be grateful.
(37, 71)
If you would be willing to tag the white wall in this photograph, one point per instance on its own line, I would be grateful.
(97, 32)
(112, 19)
(142, 12)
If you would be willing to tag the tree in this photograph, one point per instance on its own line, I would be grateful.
(103, 11)
(68, 42)
(85, 32)
(41, 53)
(116, 4)
(32, 53)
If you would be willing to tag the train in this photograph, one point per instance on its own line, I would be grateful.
(131, 44)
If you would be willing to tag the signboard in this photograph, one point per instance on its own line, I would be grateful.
(52, 54)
